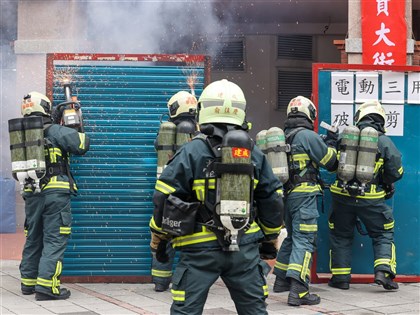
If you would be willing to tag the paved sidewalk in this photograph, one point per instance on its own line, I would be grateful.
(118, 299)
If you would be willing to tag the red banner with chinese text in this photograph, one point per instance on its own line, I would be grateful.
(384, 32)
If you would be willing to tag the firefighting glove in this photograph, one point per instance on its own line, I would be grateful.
(268, 249)
(331, 139)
(161, 254)
(389, 190)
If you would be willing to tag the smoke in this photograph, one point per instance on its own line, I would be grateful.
(154, 26)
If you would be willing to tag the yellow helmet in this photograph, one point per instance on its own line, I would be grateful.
(222, 102)
(370, 107)
(182, 103)
(36, 102)
(303, 105)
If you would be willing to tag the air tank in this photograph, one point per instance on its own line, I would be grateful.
(276, 153)
(165, 145)
(34, 142)
(368, 149)
(260, 140)
(184, 132)
(348, 154)
(17, 150)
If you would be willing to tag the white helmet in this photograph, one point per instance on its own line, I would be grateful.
(370, 107)
(222, 102)
(303, 105)
(182, 103)
(36, 102)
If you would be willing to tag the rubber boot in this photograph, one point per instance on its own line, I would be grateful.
(160, 287)
(384, 279)
(64, 294)
(299, 294)
(281, 285)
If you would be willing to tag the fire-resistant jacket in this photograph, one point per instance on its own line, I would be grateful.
(184, 177)
(388, 169)
(308, 153)
(61, 141)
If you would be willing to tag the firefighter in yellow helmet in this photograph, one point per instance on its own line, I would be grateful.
(308, 152)
(48, 213)
(211, 222)
(367, 204)
(182, 109)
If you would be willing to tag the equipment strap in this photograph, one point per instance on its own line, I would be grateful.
(166, 147)
(278, 148)
(234, 168)
(344, 147)
(368, 150)
(17, 146)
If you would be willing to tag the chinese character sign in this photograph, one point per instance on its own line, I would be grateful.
(393, 87)
(367, 86)
(384, 32)
(394, 124)
(413, 88)
(342, 87)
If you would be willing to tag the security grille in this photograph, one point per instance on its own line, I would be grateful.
(292, 84)
(294, 47)
(230, 57)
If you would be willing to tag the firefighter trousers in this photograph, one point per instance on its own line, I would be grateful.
(243, 273)
(47, 228)
(294, 258)
(162, 272)
(378, 219)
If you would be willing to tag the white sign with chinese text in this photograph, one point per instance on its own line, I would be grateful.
(393, 87)
(341, 115)
(394, 124)
(413, 88)
(342, 87)
(366, 86)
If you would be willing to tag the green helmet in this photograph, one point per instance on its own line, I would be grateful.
(36, 102)
(222, 102)
(368, 108)
(182, 103)
(303, 105)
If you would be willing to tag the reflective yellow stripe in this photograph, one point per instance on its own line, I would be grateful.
(268, 230)
(393, 261)
(300, 157)
(161, 273)
(153, 225)
(378, 165)
(25, 231)
(296, 267)
(55, 281)
(304, 187)
(308, 227)
(305, 267)
(65, 230)
(178, 295)
(82, 138)
(280, 192)
(328, 156)
(382, 261)
(388, 226)
(44, 282)
(281, 266)
(28, 282)
(331, 225)
(200, 237)
(253, 228)
(400, 170)
(164, 188)
(340, 271)
(368, 195)
(301, 295)
(265, 289)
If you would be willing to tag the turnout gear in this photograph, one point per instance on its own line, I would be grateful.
(193, 176)
(348, 208)
(47, 204)
(308, 152)
(281, 285)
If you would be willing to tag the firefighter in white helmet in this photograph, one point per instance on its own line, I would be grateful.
(182, 109)
(189, 213)
(48, 213)
(308, 152)
(369, 206)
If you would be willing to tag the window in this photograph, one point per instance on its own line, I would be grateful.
(230, 57)
(291, 84)
(294, 47)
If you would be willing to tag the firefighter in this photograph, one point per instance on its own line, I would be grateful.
(308, 152)
(349, 206)
(48, 214)
(182, 108)
(217, 237)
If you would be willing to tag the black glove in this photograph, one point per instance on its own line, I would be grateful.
(331, 139)
(389, 190)
(161, 254)
(268, 250)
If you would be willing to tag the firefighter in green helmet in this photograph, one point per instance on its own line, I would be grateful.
(182, 107)
(308, 152)
(47, 213)
(209, 219)
(353, 202)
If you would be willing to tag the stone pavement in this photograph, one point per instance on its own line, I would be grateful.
(120, 298)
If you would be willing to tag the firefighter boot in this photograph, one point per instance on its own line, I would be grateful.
(299, 294)
(343, 285)
(64, 294)
(384, 279)
(27, 290)
(281, 285)
(161, 287)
